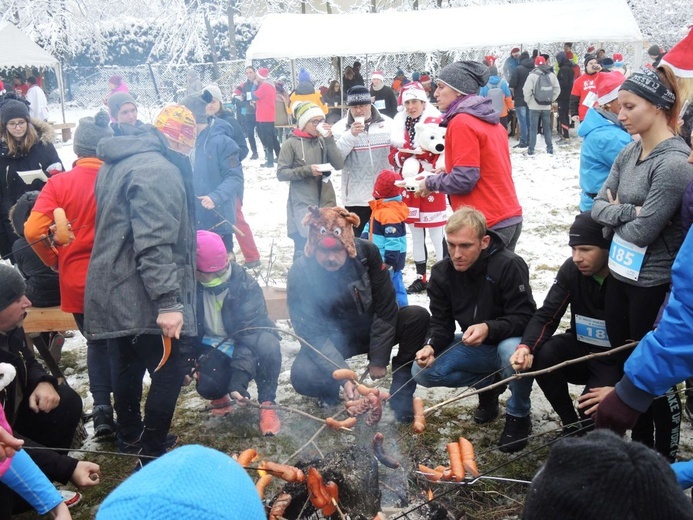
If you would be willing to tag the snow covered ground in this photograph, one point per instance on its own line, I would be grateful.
(547, 187)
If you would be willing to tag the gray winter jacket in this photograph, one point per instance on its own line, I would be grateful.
(656, 184)
(528, 88)
(143, 260)
(294, 165)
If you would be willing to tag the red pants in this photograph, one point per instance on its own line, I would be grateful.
(247, 242)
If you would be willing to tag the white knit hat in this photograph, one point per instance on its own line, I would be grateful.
(215, 91)
(305, 111)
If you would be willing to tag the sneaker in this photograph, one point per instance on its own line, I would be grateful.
(488, 408)
(418, 286)
(267, 165)
(102, 417)
(254, 157)
(252, 265)
(221, 407)
(550, 152)
(71, 498)
(521, 145)
(530, 152)
(515, 433)
(269, 422)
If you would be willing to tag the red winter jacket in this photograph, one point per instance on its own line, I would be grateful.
(264, 96)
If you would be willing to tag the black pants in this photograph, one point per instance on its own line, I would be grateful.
(563, 118)
(268, 138)
(248, 123)
(131, 356)
(364, 213)
(269, 365)
(412, 325)
(630, 313)
(595, 373)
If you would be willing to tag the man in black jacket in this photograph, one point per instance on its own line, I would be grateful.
(580, 283)
(342, 302)
(517, 81)
(40, 411)
(485, 289)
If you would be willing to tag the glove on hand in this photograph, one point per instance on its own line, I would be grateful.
(615, 415)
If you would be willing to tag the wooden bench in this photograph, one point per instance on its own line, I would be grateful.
(65, 129)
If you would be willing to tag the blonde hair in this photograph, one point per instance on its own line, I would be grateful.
(467, 217)
(685, 89)
(668, 78)
(23, 144)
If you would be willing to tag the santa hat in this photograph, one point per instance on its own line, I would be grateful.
(608, 86)
(490, 60)
(384, 187)
(514, 50)
(539, 60)
(680, 57)
(262, 73)
(590, 49)
(412, 90)
(618, 58)
(378, 75)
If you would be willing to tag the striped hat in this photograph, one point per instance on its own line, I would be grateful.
(305, 111)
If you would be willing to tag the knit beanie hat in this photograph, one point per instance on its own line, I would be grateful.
(89, 132)
(303, 75)
(262, 73)
(13, 109)
(415, 76)
(214, 92)
(178, 124)
(654, 50)
(305, 111)
(117, 100)
(211, 252)
(330, 228)
(190, 482)
(680, 57)
(12, 286)
(603, 476)
(466, 77)
(358, 95)
(384, 187)
(412, 90)
(19, 213)
(586, 232)
(607, 64)
(539, 60)
(588, 58)
(197, 106)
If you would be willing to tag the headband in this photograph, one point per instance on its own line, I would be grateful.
(647, 85)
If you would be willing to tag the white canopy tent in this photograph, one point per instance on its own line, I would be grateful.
(18, 50)
(444, 29)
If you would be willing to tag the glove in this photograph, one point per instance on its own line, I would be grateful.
(615, 415)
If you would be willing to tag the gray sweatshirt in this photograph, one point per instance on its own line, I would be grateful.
(657, 184)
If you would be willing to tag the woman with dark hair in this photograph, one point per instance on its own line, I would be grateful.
(332, 98)
(26, 148)
(639, 204)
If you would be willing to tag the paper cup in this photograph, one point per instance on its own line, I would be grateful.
(322, 130)
(360, 119)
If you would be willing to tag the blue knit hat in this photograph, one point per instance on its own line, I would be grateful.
(303, 75)
(190, 482)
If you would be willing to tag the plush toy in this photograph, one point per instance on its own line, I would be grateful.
(7, 374)
(428, 155)
(330, 228)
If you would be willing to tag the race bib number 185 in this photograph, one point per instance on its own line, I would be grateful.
(625, 258)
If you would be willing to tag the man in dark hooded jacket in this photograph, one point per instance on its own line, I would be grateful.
(517, 81)
(566, 77)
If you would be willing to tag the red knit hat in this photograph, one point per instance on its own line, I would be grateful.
(385, 185)
(680, 57)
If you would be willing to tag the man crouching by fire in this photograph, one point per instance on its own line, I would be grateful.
(341, 300)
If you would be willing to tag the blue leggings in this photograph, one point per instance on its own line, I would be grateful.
(26, 479)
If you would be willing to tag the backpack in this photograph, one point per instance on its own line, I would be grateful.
(497, 97)
(543, 89)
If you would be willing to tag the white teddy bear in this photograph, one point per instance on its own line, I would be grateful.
(429, 154)
(7, 374)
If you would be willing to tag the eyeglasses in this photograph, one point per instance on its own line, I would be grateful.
(18, 124)
(316, 122)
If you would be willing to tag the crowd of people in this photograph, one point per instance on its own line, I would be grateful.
(154, 211)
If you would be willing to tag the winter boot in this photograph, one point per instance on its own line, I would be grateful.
(102, 417)
(269, 154)
(515, 433)
(419, 285)
(488, 408)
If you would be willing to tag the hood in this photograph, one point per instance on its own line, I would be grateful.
(494, 80)
(45, 131)
(528, 62)
(216, 127)
(673, 144)
(305, 88)
(135, 140)
(477, 106)
(598, 118)
(543, 68)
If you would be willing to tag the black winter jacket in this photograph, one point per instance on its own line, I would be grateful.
(518, 79)
(584, 295)
(566, 77)
(340, 312)
(495, 290)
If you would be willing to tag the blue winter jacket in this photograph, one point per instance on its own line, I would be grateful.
(664, 357)
(492, 82)
(603, 139)
(217, 173)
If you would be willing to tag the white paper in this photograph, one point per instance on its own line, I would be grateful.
(28, 177)
(325, 167)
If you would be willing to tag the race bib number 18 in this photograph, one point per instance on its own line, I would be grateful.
(592, 331)
(625, 258)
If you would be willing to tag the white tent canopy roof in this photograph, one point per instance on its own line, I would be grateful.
(18, 50)
(280, 35)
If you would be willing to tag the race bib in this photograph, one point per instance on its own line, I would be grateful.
(380, 104)
(592, 331)
(590, 99)
(248, 96)
(414, 212)
(625, 258)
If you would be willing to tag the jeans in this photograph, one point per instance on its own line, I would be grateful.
(98, 367)
(461, 365)
(523, 120)
(545, 116)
